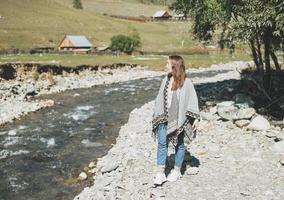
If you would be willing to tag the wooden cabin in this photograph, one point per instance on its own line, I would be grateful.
(78, 44)
(161, 15)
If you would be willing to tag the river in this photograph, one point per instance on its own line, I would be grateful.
(42, 154)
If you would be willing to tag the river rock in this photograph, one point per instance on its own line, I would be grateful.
(88, 143)
(207, 116)
(92, 164)
(245, 113)
(110, 166)
(49, 102)
(227, 112)
(228, 124)
(274, 134)
(92, 171)
(259, 123)
(82, 176)
(213, 110)
(241, 123)
(192, 170)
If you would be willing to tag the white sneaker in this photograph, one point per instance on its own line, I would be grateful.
(160, 178)
(174, 175)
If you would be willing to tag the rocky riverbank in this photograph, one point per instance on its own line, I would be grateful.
(15, 94)
(223, 162)
(237, 153)
(19, 82)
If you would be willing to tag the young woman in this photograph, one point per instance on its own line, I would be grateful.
(176, 115)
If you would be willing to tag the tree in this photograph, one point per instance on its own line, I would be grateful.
(133, 33)
(260, 24)
(124, 43)
(181, 7)
(77, 4)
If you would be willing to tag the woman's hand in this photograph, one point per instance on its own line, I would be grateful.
(195, 125)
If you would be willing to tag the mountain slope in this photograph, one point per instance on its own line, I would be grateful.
(37, 23)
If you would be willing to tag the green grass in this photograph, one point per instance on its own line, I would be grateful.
(118, 7)
(154, 62)
(34, 23)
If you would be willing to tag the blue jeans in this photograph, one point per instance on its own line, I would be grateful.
(163, 142)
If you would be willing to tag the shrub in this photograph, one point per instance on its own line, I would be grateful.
(77, 4)
(124, 43)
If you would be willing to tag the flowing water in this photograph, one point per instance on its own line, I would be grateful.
(42, 154)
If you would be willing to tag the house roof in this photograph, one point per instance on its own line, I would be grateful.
(160, 13)
(79, 40)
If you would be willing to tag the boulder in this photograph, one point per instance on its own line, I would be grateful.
(227, 112)
(245, 113)
(259, 123)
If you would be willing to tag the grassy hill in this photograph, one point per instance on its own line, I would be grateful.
(118, 7)
(38, 23)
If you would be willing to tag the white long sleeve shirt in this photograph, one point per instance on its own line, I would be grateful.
(170, 92)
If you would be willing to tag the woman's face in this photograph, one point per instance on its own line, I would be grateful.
(168, 66)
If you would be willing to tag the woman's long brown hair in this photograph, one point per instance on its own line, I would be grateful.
(178, 71)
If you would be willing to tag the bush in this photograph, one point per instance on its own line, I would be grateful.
(50, 78)
(77, 4)
(35, 75)
(124, 43)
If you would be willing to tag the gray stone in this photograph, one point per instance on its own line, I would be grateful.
(112, 165)
(227, 112)
(259, 123)
(82, 176)
(88, 143)
(207, 116)
(213, 110)
(192, 170)
(229, 125)
(274, 134)
(245, 113)
(91, 164)
(241, 123)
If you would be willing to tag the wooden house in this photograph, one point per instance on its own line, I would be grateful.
(77, 44)
(161, 15)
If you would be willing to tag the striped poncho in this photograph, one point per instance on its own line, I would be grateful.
(188, 108)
